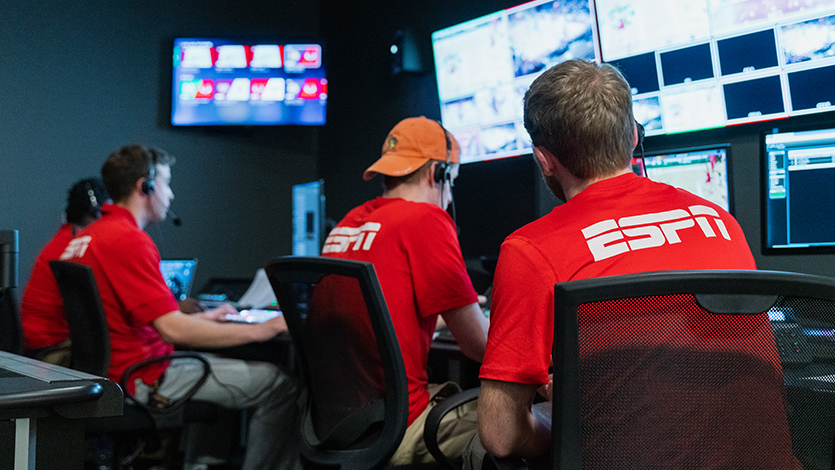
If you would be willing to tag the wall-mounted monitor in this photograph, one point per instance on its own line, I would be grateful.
(798, 194)
(703, 171)
(485, 66)
(701, 64)
(308, 218)
(247, 83)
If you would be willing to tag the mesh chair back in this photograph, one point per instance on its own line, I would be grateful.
(682, 370)
(350, 361)
(11, 330)
(85, 315)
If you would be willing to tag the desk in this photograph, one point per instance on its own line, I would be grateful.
(47, 403)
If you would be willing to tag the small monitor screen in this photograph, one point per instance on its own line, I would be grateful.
(226, 82)
(308, 218)
(702, 171)
(799, 195)
(712, 63)
(178, 275)
(485, 66)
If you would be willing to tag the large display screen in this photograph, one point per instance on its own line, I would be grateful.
(798, 191)
(225, 82)
(700, 64)
(702, 171)
(485, 66)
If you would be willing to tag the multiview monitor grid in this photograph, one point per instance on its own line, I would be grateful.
(692, 65)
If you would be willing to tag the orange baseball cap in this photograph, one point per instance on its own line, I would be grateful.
(412, 143)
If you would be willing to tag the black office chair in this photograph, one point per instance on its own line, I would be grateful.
(357, 408)
(90, 353)
(683, 370)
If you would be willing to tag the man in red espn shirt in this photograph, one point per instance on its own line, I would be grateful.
(412, 242)
(579, 116)
(45, 330)
(145, 320)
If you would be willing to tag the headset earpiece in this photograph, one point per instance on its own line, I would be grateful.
(443, 172)
(149, 185)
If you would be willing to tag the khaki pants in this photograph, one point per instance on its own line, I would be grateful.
(456, 430)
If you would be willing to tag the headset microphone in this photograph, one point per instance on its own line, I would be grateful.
(177, 221)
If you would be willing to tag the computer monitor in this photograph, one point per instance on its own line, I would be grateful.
(704, 171)
(493, 199)
(8, 260)
(179, 276)
(484, 67)
(308, 218)
(798, 195)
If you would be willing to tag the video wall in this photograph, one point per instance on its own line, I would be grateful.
(692, 65)
(226, 82)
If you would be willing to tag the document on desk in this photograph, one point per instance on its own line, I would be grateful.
(260, 293)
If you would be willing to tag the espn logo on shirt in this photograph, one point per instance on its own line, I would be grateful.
(356, 238)
(76, 248)
(650, 230)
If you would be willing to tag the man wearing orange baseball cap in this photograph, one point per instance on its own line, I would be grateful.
(412, 241)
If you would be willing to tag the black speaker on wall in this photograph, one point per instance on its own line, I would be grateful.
(405, 53)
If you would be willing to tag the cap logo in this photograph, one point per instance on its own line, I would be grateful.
(391, 143)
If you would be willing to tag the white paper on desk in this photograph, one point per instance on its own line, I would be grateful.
(260, 293)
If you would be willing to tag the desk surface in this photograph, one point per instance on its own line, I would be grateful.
(28, 387)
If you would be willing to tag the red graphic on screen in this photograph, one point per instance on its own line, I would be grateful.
(310, 89)
(256, 88)
(206, 89)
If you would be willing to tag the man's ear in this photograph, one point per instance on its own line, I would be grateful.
(430, 175)
(545, 159)
(137, 186)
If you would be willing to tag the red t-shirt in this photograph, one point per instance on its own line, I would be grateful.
(621, 225)
(415, 251)
(125, 262)
(41, 309)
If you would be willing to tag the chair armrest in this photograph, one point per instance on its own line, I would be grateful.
(174, 404)
(433, 422)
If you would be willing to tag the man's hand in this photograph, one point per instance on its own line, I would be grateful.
(219, 314)
(273, 327)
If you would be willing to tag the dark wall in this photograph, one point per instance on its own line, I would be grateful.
(81, 79)
(365, 101)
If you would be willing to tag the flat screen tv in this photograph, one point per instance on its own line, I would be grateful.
(704, 171)
(308, 218)
(700, 64)
(485, 66)
(798, 194)
(223, 82)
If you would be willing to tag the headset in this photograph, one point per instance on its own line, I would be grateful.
(443, 172)
(149, 185)
(94, 202)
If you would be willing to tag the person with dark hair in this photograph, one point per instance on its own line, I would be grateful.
(412, 242)
(45, 330)
(579, 117)
(145, 320)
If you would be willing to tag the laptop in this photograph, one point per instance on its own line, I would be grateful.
(178, 275)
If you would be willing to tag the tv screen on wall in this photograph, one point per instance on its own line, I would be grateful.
(713, 63)
(484, 67)
(692, 65)
(247, 83)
